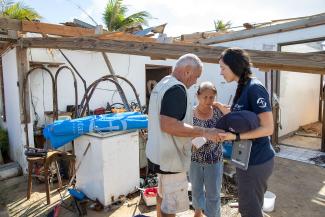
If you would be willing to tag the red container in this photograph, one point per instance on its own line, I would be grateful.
(149, 196)
(99, 111)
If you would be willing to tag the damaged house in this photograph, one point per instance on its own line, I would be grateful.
(288, 57)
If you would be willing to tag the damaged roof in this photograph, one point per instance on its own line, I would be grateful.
(77, 38)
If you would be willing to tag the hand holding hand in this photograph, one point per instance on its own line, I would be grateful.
(212, 134)
(226, 136)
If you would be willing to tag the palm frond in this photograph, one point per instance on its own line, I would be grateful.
(221, 25)
(20, 11)
(115, 18)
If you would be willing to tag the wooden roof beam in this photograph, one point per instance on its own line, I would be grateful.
(300, 62)
(53, 29)
(44, 28)
(289, 26)
(10, 24)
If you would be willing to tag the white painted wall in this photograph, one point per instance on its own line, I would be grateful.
(299, 95)
(91, 66)
(295, 110)
(14, 126)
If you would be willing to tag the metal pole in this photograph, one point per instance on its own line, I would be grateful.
(111, 70)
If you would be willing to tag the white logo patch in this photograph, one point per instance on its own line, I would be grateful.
(261, 102)
(238, 107)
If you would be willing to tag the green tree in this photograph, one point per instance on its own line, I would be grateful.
(221, 26)
(115, 16)
(17, 10)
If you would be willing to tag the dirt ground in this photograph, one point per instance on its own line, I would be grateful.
(299, 187)
(308, 137)
(303, 142)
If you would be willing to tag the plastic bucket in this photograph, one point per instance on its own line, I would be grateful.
(149, 196)
(269, 201)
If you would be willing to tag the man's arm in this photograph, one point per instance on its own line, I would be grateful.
(175, 127)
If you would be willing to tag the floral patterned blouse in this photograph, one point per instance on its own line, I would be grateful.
(210, 152)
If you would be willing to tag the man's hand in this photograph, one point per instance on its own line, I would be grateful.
(226, 136)
(213, 134)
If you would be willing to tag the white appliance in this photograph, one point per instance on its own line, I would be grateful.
(110, 167)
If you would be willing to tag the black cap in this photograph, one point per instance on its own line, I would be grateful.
(238, 122)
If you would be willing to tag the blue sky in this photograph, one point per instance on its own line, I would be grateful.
(182, 16)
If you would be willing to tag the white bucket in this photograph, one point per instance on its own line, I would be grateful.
(269, 201)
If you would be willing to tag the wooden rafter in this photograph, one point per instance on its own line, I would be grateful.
(11, 24)
(124, 37)
(53, 29)
(44, 28)
(300, 62)
(284, 27)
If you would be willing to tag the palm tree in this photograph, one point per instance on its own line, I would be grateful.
(17, 10)
(222, 26)
(115, 16)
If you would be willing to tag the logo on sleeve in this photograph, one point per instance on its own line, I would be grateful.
(238, 107)
(261, 102)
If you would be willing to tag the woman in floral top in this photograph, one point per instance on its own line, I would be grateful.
(206, 166)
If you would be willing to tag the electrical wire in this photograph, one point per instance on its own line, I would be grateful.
(78, 6)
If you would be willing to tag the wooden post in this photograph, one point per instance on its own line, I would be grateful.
(323, 128)
(2, 92)
(321, 98)
(22, 69)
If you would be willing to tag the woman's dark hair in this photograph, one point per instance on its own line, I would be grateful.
(207, 85)
(239, 62)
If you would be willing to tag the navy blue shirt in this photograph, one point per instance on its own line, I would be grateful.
(255, 98)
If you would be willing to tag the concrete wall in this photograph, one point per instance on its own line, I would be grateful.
(299, 95)
(91, 66)
(295, 110)
(13, 122)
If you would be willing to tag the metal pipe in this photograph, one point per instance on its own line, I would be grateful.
(74, 68)
(75, 89)
(132, 87)
(91, 89)
(24, 100)
(110, 68)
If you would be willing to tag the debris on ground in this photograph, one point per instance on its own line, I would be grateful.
(319, 160)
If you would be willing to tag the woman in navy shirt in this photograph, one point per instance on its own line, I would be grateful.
(250, 95)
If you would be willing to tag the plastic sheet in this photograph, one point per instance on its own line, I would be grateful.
(64, 131)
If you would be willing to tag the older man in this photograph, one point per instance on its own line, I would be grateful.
(169, 134)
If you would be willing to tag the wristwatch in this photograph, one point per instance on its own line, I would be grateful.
(237, 136)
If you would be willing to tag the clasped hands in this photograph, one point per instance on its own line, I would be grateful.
(218, 135)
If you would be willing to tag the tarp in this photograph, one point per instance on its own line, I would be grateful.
(64, 131)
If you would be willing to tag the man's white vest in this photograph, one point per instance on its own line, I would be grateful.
(172, 153)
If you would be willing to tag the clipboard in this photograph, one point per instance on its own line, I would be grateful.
(241, 151)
